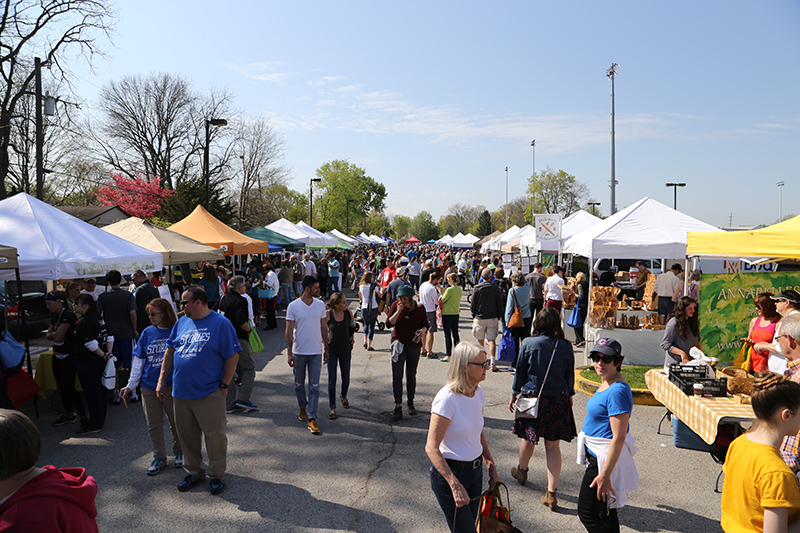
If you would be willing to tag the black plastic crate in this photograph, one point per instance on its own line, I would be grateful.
(713, 387)
(690, 372)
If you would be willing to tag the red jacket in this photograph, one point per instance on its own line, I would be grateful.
(54, 501)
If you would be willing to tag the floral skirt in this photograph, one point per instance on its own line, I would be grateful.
(555, 422)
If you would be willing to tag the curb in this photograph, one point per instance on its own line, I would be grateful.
(640, 396)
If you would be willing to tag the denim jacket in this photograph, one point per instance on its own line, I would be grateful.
(532, 364)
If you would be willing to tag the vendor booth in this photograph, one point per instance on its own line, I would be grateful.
(202, 226)
(342, 237)
(645, 229)
(291, 230)
(175, 248)
(277, 242)
(327, 240)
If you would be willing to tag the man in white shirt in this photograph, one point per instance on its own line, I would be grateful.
(665, 287)
(429, 298)
(311, 268)
(786, 303)
(90, 288)
(307, 348)
(552, 289)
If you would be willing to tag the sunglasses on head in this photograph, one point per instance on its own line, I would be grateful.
(607, 359)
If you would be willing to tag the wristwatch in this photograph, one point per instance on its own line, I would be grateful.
(223, 385)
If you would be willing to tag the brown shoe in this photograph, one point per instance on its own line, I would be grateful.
(411, 410)
(519, 474)
(550, 500)
(303, 414)
(397, 414)
(313, 427)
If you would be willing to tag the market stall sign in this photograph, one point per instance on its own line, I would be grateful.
(727, 304)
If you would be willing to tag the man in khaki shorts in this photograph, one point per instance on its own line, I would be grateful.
(486, 308)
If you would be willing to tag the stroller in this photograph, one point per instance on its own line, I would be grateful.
(359, 317)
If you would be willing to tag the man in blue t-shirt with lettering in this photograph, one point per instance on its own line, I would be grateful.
(202, 353)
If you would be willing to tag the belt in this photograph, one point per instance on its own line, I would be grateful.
(467, 464)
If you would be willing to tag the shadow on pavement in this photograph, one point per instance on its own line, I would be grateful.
(643, 519)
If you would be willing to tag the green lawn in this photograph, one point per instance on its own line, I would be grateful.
(634, 375)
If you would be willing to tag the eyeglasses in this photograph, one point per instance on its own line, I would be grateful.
(787, 337)
(184, 302)
(607, 359)
(485, 364)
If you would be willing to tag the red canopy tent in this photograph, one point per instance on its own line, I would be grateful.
(412, 240)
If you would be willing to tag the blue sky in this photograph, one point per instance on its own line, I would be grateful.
(435, 99)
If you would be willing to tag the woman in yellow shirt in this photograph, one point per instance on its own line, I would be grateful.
(760, 492)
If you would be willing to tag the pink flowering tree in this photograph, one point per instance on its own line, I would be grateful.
(139, 196)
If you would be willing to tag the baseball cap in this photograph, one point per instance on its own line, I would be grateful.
(791, 296)
(607, 346)
(402, 271)
(676, 266)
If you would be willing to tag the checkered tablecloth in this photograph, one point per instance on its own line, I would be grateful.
(702, 415)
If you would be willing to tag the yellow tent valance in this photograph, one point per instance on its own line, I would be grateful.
(776, 241)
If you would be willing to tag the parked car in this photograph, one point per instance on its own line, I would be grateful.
(37, 317)
(625, 265)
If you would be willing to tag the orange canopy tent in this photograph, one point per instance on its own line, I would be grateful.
(202, 226)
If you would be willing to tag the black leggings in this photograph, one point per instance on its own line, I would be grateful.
(594, 514)
(64, 372)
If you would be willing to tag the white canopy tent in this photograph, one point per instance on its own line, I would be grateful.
(510, 235)
(289, 229)
(377, 240)
(55, 245)
(329, 242)
(573, 224)
(447, 239)
(346, 238)
(466, 241)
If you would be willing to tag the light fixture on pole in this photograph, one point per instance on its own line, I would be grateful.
(612, 73)
(533, 145)
(675, 193)
(506, 197)
(210, 122)
(311, 200)
(780, 201)
(593, 205)
(348, 215)
(49, 110)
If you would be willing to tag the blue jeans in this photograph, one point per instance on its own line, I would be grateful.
(312, 363)
(333, 284)
(286, 294)
(472, 479)
(343, 359)
(369, 318)
(451, 338)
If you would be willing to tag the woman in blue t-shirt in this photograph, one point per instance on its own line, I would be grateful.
(605, 445)
(146, 368)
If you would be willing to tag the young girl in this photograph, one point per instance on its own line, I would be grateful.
(760, 492)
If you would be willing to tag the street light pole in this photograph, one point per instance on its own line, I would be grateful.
(311, 200)
(506, 197)
(533, 145)
(780, 201)
(209, 123)
(612, 73)
(675, 193)
(593, 205)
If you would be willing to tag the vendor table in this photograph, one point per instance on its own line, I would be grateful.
(639, 346)
(702, 415)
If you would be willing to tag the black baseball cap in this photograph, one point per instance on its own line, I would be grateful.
(791, 296)
(607, 346)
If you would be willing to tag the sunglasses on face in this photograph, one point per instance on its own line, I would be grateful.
(607, 359)
(485, 364)
(184, 302)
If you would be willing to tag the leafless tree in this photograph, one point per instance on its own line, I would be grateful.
(48, 29)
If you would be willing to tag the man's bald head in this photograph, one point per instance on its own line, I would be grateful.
(486, 274)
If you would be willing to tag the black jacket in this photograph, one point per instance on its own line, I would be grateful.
(487, 301)
(234, 306)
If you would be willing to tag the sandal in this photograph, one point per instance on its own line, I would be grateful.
(345, 403)
(445, 359)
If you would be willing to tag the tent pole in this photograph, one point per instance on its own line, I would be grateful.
(588, 314)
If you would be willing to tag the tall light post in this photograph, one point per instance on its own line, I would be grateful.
(612, 73)
(311, 183)
(675, 193)
(533, 145)
(780, 201)
(348, 215)
(210, 122)
(506, 197)
(593, 205)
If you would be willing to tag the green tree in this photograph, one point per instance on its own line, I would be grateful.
(423, 227)
(517, 214)
(483, 226)
(192, 192)
(555, 192)
(345, 192)
(402, 227)
(459, 218)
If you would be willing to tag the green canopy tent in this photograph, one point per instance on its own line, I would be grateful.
(275, 238)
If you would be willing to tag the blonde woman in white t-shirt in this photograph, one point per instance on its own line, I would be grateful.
(456, 444)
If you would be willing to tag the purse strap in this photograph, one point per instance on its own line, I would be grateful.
(514, 294)
(541, 388)
(492, 492)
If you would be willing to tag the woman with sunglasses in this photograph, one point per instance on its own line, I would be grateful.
(682, 333)
(605, 445)
(456, 444)
(546, 349)
(762, 329)
(148, 355)
(760, 492)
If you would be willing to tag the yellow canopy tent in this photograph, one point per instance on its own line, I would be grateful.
(778, 240)
(203, 227)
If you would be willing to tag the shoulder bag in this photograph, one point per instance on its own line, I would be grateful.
(493, 516)
(516, 320)
(11, 352)
(574, 319)
(529, 407)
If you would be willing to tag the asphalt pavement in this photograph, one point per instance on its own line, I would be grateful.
(364, 473)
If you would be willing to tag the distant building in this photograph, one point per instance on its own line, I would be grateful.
(99, 216)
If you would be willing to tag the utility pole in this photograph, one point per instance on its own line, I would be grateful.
(39, 129)
(533, 145)
(780, 201)
(612, 73)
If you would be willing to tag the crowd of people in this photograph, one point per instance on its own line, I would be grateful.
(189, 351)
